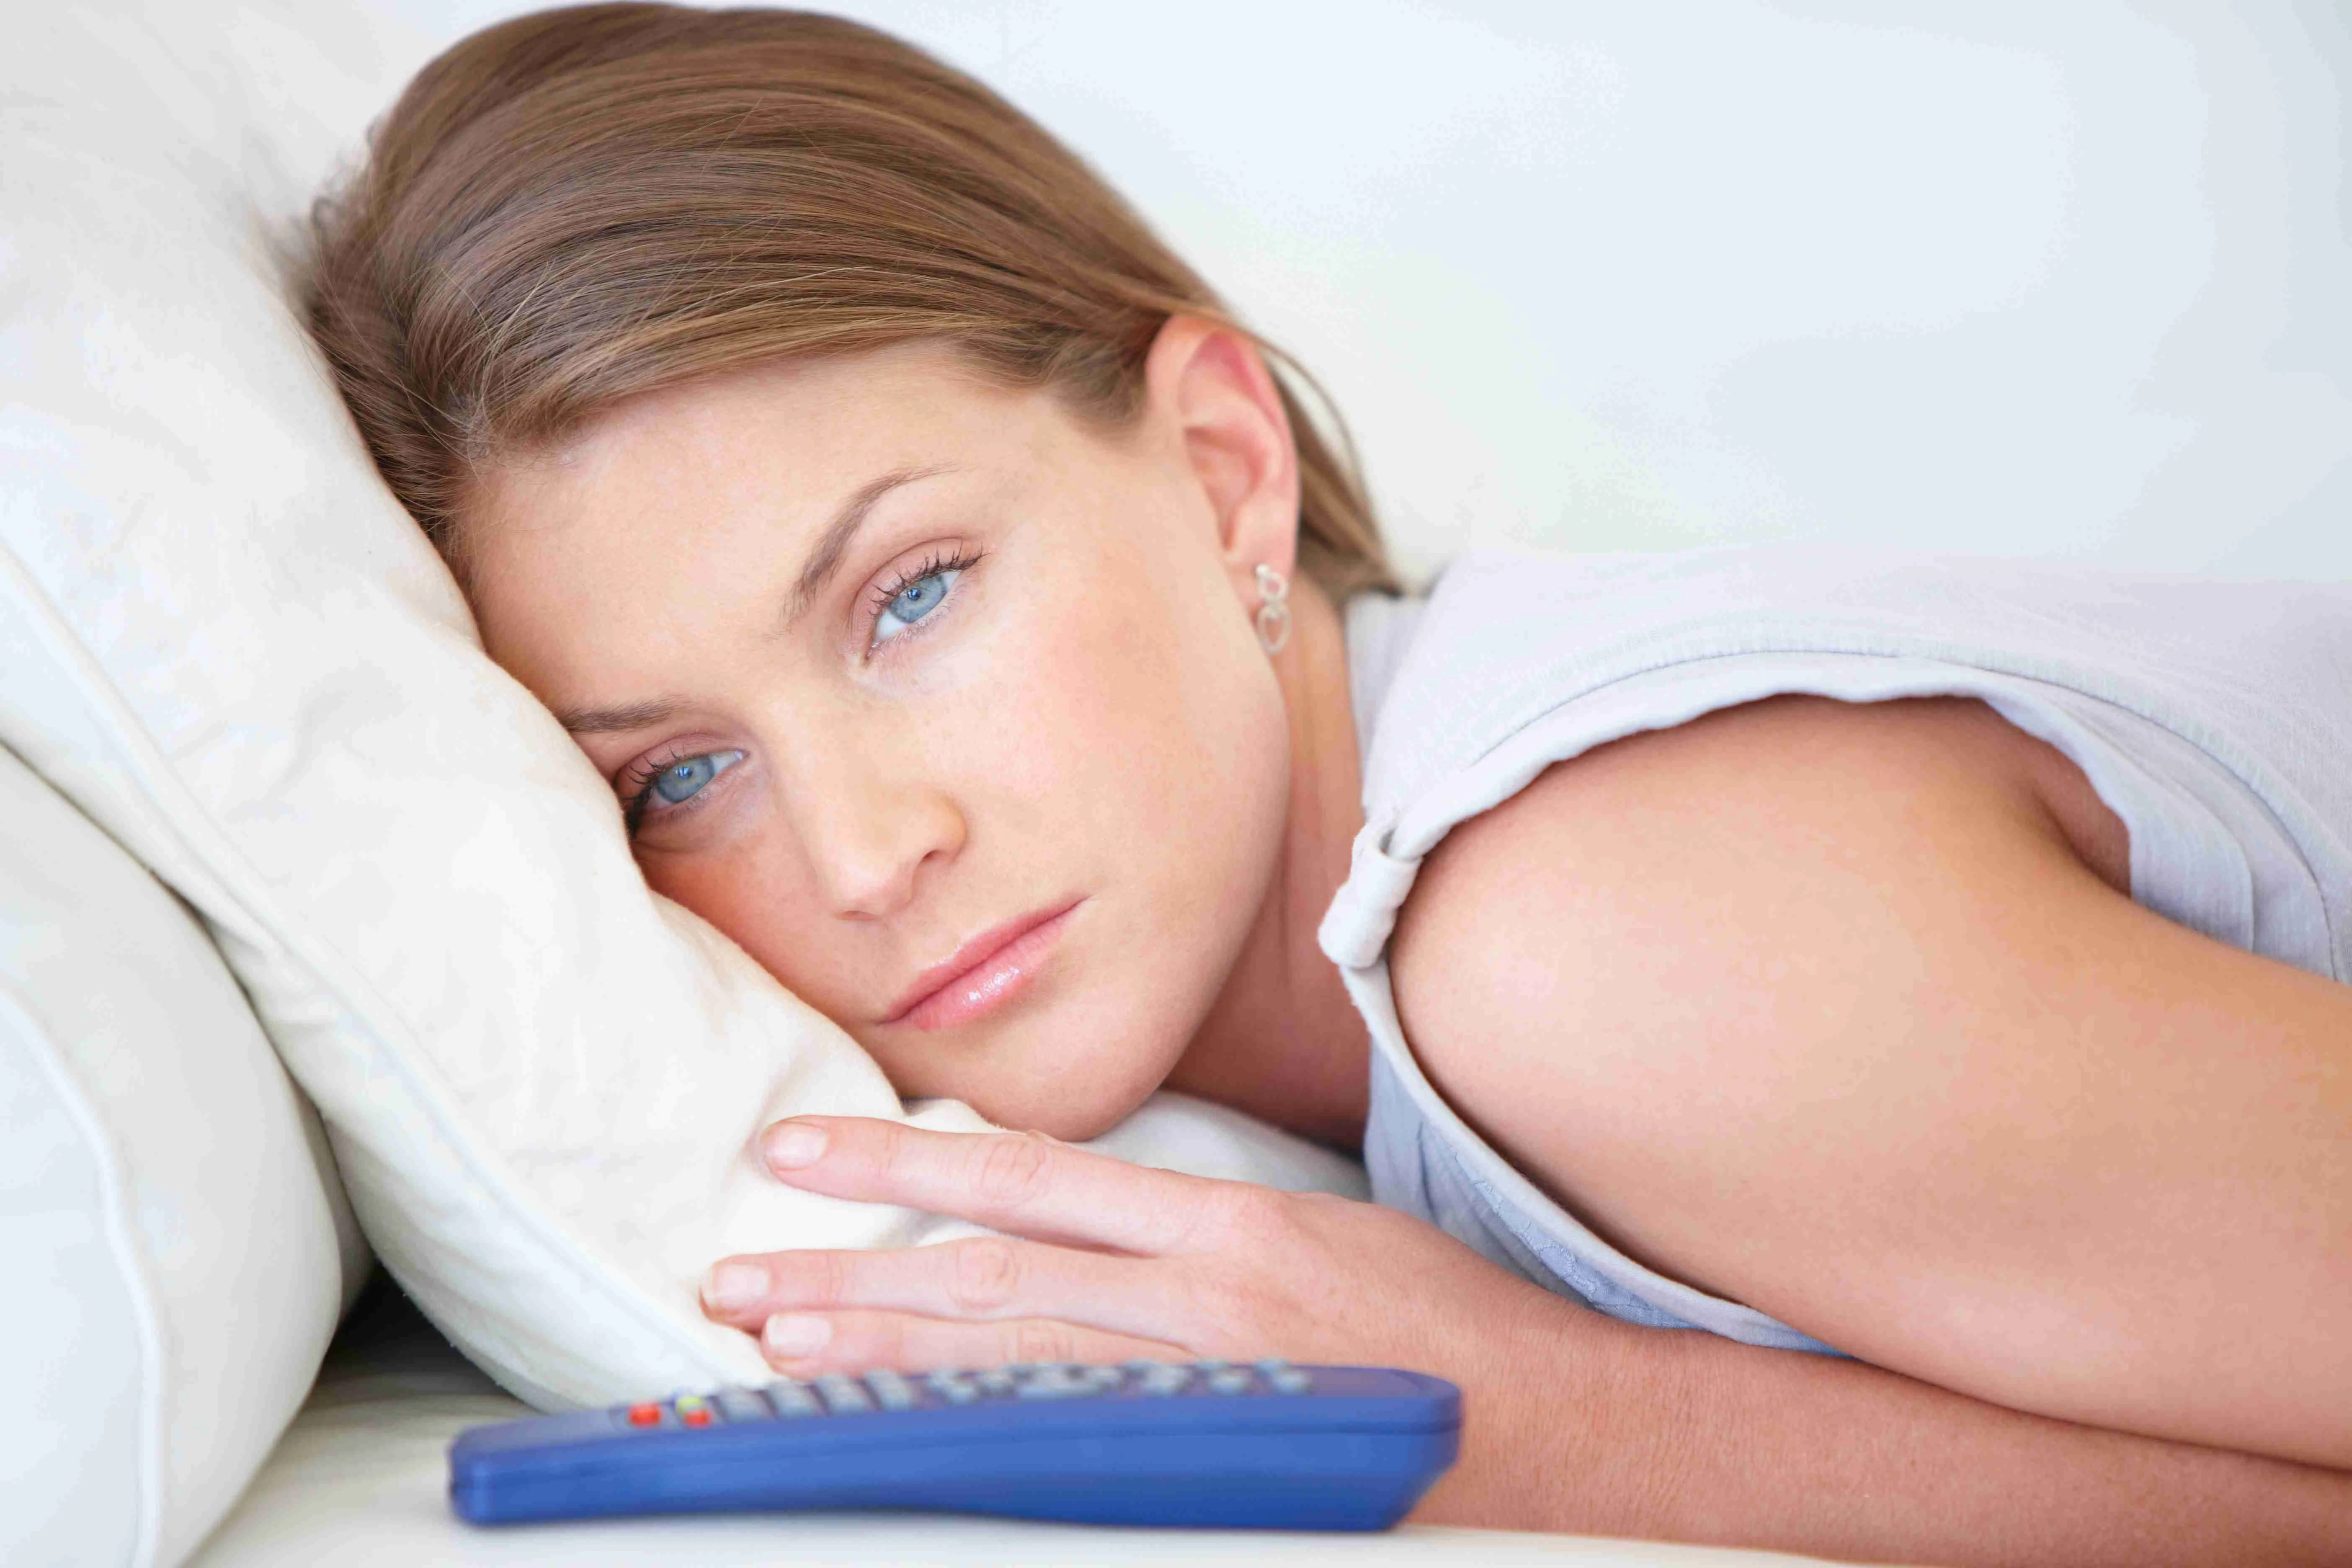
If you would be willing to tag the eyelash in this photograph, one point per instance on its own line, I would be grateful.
(955, 559)
(637, 783)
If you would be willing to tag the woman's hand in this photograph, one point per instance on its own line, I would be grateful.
(1102, 1262)
(1572, 1421)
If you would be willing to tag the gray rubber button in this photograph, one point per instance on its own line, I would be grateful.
(792, 1398)
(742, 1404)
(1164, 1380)
(890, 1389)
(1055, 1384)
(842, 1394)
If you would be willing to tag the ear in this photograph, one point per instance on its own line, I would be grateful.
(1209, 384)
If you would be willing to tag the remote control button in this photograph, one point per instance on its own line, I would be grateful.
(1284, 1377)
(1229, 1379)
(644, 1415)
(842, 1395)
(698, 1417)
(996, 1379)
(1211, 1363)
(890, 1389)
(1102, 1377)
(1165, 1379)
(953, 1387)
(1053, 1383)
(792, 1399)
(740, 1405)
(1141, 1364)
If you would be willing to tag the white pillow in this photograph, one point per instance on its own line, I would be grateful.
(222, 638)
(169, 1221)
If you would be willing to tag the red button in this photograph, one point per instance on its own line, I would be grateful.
(694, 1417)
(644, 1415)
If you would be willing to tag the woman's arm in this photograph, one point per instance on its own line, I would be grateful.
(1818, 1007)
(1708, 1440)
(1574, 1422)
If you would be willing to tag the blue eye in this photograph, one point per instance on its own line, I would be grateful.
(684, 779)
(913, 602)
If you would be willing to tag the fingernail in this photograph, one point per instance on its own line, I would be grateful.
(733, 1285)
(793, 1145)
(788, 1335)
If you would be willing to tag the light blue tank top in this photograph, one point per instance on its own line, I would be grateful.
(2214, 718)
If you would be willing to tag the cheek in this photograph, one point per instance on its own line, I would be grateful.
(751, 892)
(1134, 719)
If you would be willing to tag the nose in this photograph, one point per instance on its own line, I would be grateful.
(871, 825)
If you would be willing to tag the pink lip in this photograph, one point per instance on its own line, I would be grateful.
(983, 975)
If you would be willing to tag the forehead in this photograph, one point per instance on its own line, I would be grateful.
(771, 441)
(695, 502)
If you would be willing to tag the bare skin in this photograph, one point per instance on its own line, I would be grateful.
(1283, 1041)
(1575, 1422)
(1081, 718)
(1853, 1033)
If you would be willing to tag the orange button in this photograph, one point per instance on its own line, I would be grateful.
(698, 1417)
(644, 1415)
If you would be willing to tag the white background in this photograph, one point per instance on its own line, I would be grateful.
(2063, 279)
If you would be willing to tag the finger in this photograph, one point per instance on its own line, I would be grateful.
(985, 1278)
(1019, 1182)
(807, 1344)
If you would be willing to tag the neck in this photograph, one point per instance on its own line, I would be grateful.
(1283, 1042)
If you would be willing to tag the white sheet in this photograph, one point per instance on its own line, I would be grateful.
(358, 1482)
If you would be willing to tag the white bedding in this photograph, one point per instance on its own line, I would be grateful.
(358, 1482)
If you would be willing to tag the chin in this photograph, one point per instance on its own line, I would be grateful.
(1073, 1098)
(1026, 1086)
(1058, 1115)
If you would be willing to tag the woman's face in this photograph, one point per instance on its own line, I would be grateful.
(942, 703)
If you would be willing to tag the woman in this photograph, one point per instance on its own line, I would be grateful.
(1936, 962)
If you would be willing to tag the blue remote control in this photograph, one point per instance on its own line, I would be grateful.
(1263, 1445)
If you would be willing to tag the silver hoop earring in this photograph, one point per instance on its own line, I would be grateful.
(1273, 611)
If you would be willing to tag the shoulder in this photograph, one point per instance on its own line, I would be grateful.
(1657, 949)
(1765, 804)
(1824, 1009)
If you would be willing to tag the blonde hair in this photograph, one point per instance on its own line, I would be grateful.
(583, 204)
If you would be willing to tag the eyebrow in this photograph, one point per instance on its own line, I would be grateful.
(833, 544)
(822, 562)
(604, 721)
